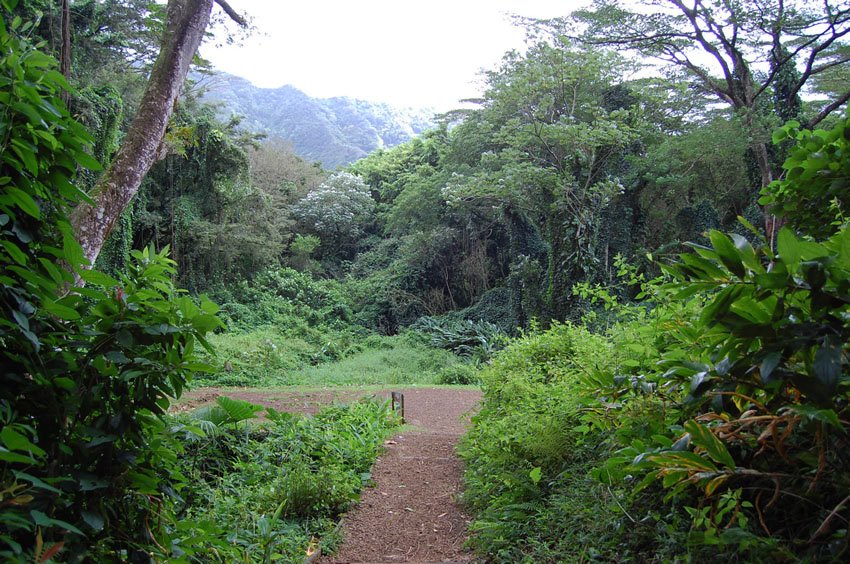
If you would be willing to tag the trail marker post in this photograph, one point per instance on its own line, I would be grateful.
(398, 404)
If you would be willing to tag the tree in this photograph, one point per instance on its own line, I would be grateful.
(337, 211)
(186, 23)
(200, 202)
(562, 127)
(723, 47)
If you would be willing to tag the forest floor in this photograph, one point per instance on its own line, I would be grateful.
(411, 513)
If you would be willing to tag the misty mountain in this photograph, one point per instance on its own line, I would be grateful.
(332, 131)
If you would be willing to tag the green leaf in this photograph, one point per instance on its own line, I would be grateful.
(61, 311)
(26, 155)
(706, 269)
(827, 365)
(31, 114)
(536, 474)
(727, 252)
(708, 441)
(751, 310)
(43, 520)
(87, 161)
(206, 323)
(772, 280)
(93, 520)
(144, 482)
(768, 365)
(65, 383)
(15, 253)
(13, 457)
(23, 201)
(681, 461)
(99, 278)
(792, 250)
(58, 276)
(746, 252)
(236, 409)
(720, 305)
(71, 248)
(36, 482)
(16, 441)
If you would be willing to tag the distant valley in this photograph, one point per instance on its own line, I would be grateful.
(332, 131)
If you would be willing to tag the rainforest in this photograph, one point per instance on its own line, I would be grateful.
(614, 290)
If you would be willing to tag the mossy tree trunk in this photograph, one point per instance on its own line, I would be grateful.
(186, 23)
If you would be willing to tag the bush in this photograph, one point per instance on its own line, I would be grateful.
(527, 464)
(495, 307)
(285, 298)
(477, 339)
(463, 373)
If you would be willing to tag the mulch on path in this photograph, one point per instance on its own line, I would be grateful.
(410, 514)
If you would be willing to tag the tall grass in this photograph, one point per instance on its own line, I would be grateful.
(265, 357)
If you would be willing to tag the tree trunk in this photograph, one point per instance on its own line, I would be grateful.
(185, 26)
(65, 63)
(65, 51)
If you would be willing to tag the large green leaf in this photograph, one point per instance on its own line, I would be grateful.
(727, 252)
(827, 364)
(238, 410)
(793, 250)
(702, 437)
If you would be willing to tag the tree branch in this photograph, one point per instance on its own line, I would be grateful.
(828, 110)
(234, 15)
(693, 17)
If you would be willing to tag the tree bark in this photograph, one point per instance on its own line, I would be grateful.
(65, 62)
(186, 23)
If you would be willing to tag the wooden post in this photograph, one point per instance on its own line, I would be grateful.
(398, 404)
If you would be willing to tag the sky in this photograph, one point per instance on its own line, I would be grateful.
(408, 53)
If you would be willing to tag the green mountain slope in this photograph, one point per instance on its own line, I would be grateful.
(332, 131)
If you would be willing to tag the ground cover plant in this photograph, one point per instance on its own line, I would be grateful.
(272, 490)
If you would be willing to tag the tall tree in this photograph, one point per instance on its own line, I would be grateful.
(742, 52)
(186, 23)
(563, 126)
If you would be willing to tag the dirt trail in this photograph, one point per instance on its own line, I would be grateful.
(410, 514)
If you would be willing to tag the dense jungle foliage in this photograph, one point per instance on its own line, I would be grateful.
(648, 277)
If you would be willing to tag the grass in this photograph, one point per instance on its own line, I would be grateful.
(400, 365)
(267, 359)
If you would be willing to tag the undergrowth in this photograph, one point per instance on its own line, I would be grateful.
(270, 491)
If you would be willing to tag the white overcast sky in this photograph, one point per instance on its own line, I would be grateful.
(419, 53)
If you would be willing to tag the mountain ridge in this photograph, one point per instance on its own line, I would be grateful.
(333, 131)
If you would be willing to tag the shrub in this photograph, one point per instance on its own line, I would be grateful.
(478, 339)
(285, 298)
(463, 373)
(527, 464)
(495, 307)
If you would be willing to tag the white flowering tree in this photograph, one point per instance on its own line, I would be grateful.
(338, 211)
